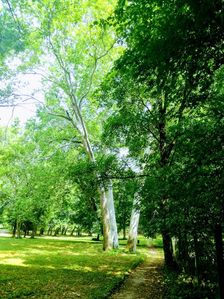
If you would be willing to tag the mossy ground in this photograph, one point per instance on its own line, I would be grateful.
(49, 268)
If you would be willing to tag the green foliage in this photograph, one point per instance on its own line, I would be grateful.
(12, 32)
(183, 286)
(168, 110)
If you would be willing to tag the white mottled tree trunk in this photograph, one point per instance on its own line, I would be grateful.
(113, 235)
(110, 235)
(133, 229)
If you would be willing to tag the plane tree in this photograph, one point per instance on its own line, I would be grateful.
(75, 48)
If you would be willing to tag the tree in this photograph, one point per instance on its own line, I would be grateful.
(80, 54)
(123, 193)
(33, 185)
(161, 85)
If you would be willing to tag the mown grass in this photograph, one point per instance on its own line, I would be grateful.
(73, 268)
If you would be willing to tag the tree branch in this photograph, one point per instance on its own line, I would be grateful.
(60, 115)
(14, 16)
(118, 177)
(96, 59)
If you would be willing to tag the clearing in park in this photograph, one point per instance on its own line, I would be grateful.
(64, 268)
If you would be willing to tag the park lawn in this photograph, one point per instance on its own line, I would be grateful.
(73, 268)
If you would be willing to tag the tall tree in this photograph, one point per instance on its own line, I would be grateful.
(75, 54)
(159, 84)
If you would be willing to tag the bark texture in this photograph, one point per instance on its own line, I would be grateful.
(168, 250)
(105, 189)
(133, 229)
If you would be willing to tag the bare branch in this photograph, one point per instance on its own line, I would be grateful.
(60, 115)
(96, 59)
(17, 96)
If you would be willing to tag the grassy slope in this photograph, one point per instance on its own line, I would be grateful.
(74, 268)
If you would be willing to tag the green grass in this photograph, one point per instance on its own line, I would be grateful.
(144, 242)
(73, 268)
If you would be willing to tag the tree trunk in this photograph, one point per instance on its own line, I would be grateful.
(165, 149)
(113, 225)
(110, 236)
(41, 231)
(197, 259)
(57, 230)
(133, 228)
(168, 250)
(183, 255)
(14, 230)
(33, 233)
(18, 229)
(72, 232)
(219, 257)
(124, 231)
(106, 193)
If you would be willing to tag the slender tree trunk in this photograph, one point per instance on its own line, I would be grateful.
(57, 230)
(124, 231)
(14, 230)
(113, 241)
(49, 231)
(219, 258)
(72, 232)
(165, 150)
(110, 235)
(168, 249)
(33, 233)
(133, 228)
(105, 218)
(197, 258)
(18, 229)
(183, 255)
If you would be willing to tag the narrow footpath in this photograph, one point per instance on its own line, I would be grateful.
(146, 281)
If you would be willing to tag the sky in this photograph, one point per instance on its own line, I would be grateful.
(25, 109)
(23, 113)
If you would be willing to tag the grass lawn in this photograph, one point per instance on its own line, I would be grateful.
(72, 268)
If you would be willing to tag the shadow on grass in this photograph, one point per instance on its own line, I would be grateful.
(46, 244)
(32, 282)
(53, 269)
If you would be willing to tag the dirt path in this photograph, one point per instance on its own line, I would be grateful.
(146, 281)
